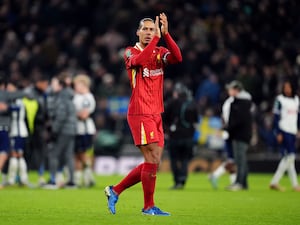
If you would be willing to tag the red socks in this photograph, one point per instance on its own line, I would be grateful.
(145, 172)
(131, 179)
(148, 177)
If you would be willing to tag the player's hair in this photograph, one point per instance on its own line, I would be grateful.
(83, 78)
(292, 84)
(62, 77)
(141, 23)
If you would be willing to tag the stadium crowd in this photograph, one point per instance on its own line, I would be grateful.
(255, 42)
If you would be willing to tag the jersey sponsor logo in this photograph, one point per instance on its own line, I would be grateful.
(152, 73)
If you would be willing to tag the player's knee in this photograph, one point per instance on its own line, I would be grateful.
(291, 158)
(152, 157)
(152, 153)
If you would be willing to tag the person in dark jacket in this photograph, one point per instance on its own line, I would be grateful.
(180, 118)
(239, 128)
(37, 109)
(63, 132)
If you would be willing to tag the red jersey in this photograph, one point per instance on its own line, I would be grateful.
(145, 68)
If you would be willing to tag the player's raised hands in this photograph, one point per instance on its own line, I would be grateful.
(164, 23)
(157, 30)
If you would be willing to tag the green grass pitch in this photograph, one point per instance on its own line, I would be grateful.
(198, 203)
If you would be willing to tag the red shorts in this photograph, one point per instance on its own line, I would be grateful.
(146, 129)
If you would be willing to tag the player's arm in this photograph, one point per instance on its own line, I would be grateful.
(86, 112)
(11, 96)
(174, 54)
(83, 114)
(132, 59)
(298, 118)
(276, 119)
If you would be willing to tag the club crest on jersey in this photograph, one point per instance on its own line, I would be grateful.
(152, 134)
(158, 58)
(128, 53)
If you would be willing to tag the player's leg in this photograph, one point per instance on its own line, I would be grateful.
(143, 128)
(88, 176)
(227, 166)
(78, 169)
(218, 172)
(88, 173)
(78, 160)
(112, 192)
(231, 169)
(39, 150)
(240, 150)
(152, 154)
(186, 146)
(137, 127)
(3, 164)
(4, 174)
(68, 158)
(23, 170)
(230, 165)
(4, 148)
(281, 168)
(22, 165)
(292, 171)
(12, 168)
(291, 157)
(54, 159)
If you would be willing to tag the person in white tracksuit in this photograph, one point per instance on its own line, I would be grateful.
(18, 136)
(85, 104)
(286, 125)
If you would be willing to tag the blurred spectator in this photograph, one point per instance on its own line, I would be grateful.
(208, 93)
(228, 165)
(18, 136)
(265, 131)
(85, 105)
(37, 116)
(63, 131)
(180, 118)
(286, 126)
(239, 127)
(6, 98)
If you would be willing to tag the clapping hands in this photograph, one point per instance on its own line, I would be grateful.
(163, 20)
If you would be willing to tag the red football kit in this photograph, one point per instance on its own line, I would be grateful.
(145, 68)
